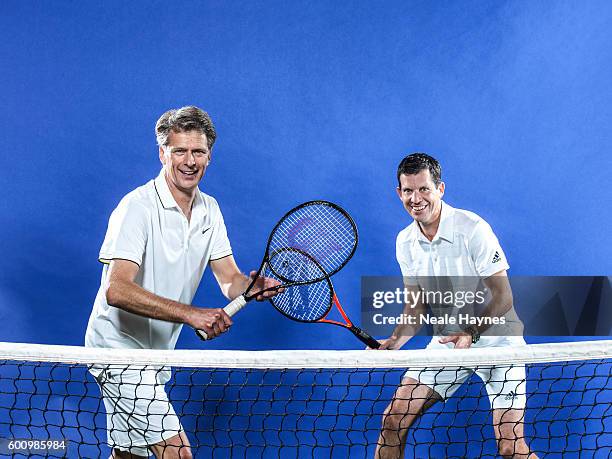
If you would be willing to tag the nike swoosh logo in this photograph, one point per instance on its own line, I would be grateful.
(206, 229)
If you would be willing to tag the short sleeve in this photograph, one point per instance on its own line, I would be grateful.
(487, 254)
(220, 244)
(402, 255)
(126, 236)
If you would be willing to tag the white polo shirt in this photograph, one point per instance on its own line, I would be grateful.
(148, 228)
(464, 247)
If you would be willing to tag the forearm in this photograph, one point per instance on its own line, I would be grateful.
(412, 328)
(499, 305)
(404, 332)
(236, 286)
(131, 297)
(501, 301)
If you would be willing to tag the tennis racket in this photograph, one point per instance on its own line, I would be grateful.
(312, 303)
(310, 243)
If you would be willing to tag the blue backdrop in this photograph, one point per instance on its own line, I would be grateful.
(310, 100)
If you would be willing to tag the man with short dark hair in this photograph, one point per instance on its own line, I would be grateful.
(443, 241)
(159, 240)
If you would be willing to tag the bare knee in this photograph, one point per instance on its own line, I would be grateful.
(175, 452)
(516, 449)
(508, 425)
(176, 447)
(410, 401)
(118, 454)
(396, 421)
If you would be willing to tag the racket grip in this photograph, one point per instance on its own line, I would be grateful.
(232, 308)
(365, 337)
(236, 305)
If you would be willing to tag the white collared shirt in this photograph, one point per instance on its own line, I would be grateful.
(149, 228)
(464, 245)
(464, 248)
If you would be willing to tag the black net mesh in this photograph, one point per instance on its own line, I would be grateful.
(304, 412)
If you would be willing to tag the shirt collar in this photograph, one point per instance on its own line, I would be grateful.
(166, 198)
(446, 228)
(199, 201)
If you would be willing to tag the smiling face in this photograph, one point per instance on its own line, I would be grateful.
(185, 158)
(421, 197)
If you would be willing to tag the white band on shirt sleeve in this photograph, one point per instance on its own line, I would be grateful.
(107, 257)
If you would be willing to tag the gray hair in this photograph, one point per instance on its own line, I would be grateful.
(184, 119)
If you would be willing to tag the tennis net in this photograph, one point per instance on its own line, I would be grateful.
(293, 403)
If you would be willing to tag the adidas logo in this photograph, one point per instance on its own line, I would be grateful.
(510, 395)
(496, 257)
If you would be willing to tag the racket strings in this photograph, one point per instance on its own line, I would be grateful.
(292, 265)
(305, 302)
(324, 232)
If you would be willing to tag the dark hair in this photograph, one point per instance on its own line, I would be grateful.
(416, 162)
(184, 119)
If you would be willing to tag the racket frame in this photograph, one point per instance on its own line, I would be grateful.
(267, 256)
(362, 335)
(240, 302)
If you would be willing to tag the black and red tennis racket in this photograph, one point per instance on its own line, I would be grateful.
(310, 243)
(312, 303)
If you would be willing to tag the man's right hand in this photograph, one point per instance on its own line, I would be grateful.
(393, 342)
(213, 322)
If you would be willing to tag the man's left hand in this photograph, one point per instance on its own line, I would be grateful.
(264, 283)
(461, 340)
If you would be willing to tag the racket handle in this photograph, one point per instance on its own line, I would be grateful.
(364, 337)
(232, 308)
(236, 305)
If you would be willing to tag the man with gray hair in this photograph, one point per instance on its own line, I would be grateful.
(159, 240)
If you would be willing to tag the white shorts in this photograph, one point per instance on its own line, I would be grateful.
(505, 385)
(138, 412)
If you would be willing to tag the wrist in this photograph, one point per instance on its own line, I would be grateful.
(473, 332)
(186, 314)
(399, 339)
